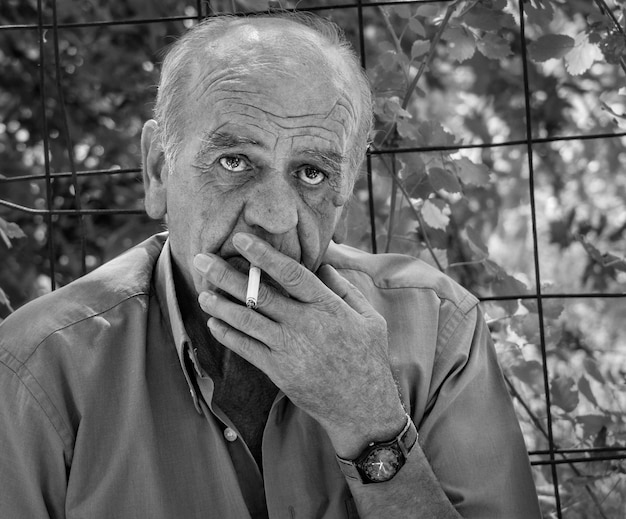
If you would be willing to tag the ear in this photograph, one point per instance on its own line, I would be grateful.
(154, 171)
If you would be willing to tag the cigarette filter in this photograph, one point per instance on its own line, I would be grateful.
(254, 280)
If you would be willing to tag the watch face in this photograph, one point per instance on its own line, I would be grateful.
(382, 463)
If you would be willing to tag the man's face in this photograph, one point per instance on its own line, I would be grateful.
(265, 152)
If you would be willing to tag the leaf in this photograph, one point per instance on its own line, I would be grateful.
(582, 56)
(585, 388)
(475, 242)
(444, 179)
(434, 215)
(592, 423)
(528, 372)
(591, 367)
(419, 48)
(489, 20)
(541, 14)
(564, 393)
(4, 300)
(9, 231)
(417, 27)
(427, 11)
(493, 46)
(550, 46)
(433, 134)
(470, 173)
(402, 10)
(461, 43)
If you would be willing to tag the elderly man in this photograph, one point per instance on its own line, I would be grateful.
(360, 386)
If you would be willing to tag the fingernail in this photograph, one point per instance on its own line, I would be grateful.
(242, 241)
(202, 262)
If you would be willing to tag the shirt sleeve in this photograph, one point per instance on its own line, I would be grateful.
(470, 433)
(32, 464)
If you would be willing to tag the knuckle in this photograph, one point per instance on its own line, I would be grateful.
(246, 319)
(292, 274)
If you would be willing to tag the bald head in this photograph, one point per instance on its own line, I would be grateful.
(306, 50)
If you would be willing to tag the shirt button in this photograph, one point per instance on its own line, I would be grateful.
(230, 435)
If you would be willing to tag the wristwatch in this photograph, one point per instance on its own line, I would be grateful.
(381, 461)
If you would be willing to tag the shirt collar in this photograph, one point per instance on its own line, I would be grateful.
(166, 293)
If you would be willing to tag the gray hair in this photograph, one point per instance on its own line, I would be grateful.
(177, 67)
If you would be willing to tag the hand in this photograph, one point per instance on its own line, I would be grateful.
(324, 345)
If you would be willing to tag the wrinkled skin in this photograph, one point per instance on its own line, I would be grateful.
(262, 178)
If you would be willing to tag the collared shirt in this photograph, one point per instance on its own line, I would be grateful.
(105, 411)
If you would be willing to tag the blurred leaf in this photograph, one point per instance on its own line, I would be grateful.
(591, 367)
(470, 173)
(476, 243)
(9, 231)
(417, 27)
(585, 388)
(4, 300)
(540, 12)
(419, 48)
(592, 423)
(427, 11)
(550, 46)
(564, 393)
(529, 372)
(444, 179)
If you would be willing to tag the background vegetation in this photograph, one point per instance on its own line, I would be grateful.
(500, 163)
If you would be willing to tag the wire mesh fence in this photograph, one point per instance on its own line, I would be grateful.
(497, 166)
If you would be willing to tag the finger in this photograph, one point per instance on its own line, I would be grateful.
(253, 351)
(345, 290)
(240, 317)
(220, 274)
(298, 281)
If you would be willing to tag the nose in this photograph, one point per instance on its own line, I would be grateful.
(272, 205)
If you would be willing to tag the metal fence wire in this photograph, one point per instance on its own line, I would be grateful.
(62, 212)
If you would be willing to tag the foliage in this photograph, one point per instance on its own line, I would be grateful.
(455, 180)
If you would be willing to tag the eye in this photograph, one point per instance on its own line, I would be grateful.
(234, 163)
(311, 175)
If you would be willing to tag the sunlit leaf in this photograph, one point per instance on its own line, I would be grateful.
(433, 212)
(564, 393)
(550, 46)
(582, 56)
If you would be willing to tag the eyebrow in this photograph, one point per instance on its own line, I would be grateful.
(330, 160)
(220, 140)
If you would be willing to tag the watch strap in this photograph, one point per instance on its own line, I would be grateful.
(405, 441)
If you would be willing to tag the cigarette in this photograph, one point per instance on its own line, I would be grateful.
(253, 287)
